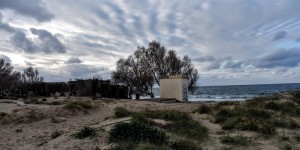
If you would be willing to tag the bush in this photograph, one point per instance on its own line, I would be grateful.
(224, 114)
(286, 147)
(234, 140)
(204, 109)
(286, 123)
(272, 105)
(121, 112)
(136, 132)
(184, 145)
(297, 137)
(188, 128)
(55, 134)
(78, 105)
(182, 123)
(85, 132)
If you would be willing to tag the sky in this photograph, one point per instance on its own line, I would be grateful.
(230, 42)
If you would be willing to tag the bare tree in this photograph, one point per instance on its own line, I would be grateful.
(162, 62)
(31, 76)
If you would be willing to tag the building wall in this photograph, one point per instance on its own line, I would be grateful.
(174, 88)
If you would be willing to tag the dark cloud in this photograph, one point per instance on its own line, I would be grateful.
(283, 58)
(20, 40)
(298, 40)
(48, 42)
(83, 70)
(231, 64)
(31, 8)
(73, 60)
(204, 59)
(5, 58)
(279, 35)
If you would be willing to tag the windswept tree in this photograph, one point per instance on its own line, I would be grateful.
(132, 73)
(31, 76)
(147, 65)
(8, 77)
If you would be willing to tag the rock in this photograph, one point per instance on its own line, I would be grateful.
(20, 103)
(58, 119)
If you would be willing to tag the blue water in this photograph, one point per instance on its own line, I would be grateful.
(236, 92)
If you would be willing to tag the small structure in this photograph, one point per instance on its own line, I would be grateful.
(174, 87)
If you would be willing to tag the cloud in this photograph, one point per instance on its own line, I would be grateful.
(73, 60)
(30, 8)
(283, 58)
(84, 70)
(5, 58)
(205, 59)
(279, 35)
(5, 26)
(48, 43)
(20, 40)
(29, 63)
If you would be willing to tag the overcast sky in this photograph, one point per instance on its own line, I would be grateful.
(229, 41)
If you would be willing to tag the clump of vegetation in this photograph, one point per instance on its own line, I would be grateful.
(55, 134)
(136, 132)
(286, 147)
(78, 105)
(285, 123)
(121, 112)
(204, 109)
(55, 103)
(85, 132)
(184, 145)
(234, 140)
(297, 137)
(182, 123)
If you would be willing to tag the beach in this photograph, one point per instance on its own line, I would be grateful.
(31, 126)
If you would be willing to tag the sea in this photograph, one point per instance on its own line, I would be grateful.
(236, 92)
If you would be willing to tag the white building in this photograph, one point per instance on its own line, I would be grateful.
(174, 87)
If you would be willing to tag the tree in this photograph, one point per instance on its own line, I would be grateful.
(131, 73)
(8, 78)
(31, 76)
(147, 65)
(162, 62)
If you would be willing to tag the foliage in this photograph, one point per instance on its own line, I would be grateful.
(136, 132)
(184, 145)
(234, 140)
(182, 123)
(85, 132)
(55, 134)
(8, 78)
(121, 112)
(31, 76)
(286, 147)
(204, 109)
(297, 137)
(78, 105)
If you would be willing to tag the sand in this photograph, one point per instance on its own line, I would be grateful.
(30, 127)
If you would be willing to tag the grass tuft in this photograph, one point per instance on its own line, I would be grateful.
(85, 132)
(78, 105)
(121, 112)
(234, 140)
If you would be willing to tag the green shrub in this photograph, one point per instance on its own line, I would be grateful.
(204, 109)
(256, 113)
(78, 105)
(272, 105)
(121, 112)
(223, 114)
(188, 128)
(184, 145)
(297, 137)
(136, 132)
(85, 132)
(234, 140)
(55, 103)
(286, 123)
(55, 134)
(286, 147)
